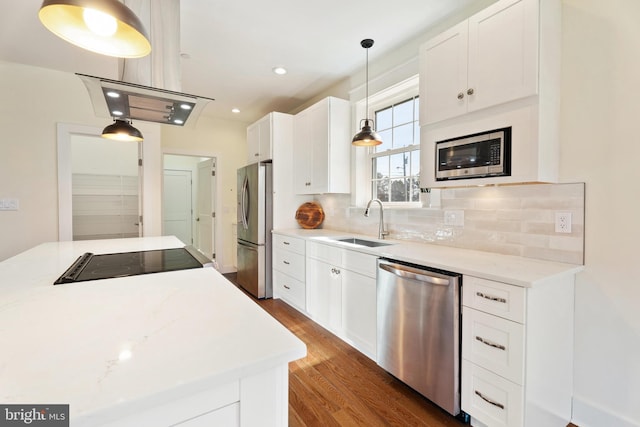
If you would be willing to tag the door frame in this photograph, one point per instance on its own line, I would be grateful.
(151, 177)
(218, 248)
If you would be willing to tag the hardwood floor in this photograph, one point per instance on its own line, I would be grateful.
(336, 385)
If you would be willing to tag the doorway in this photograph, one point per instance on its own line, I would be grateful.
(189, 185)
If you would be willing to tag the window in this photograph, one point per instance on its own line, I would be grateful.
(395, 164)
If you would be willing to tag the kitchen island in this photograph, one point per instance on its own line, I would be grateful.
(174, 348)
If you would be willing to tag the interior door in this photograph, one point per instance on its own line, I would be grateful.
(205, 211)
(177, 205)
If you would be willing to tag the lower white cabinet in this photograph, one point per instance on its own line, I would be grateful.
(289, 270)
(517, 352)
(341, 293)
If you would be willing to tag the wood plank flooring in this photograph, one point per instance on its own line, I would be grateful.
(336, 385)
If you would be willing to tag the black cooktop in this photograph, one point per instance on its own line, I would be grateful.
(107, 266)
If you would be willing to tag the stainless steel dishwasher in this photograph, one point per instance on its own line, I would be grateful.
(419, 329)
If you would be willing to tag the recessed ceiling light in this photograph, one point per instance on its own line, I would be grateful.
(235, 110)
(112, 94)
(280, 70)
(116, 113)
(178, 121)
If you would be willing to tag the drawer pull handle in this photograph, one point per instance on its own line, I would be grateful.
(286, 287)
(490, 344)
(286, 262)
(491, 298)
(486, 399)
(285, 243)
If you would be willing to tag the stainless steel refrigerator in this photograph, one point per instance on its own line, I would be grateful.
(254, 229)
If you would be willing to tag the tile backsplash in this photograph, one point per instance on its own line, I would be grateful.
(512, 220)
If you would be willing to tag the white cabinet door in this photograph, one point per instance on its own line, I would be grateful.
(443, 75)
(259, 140)
(359, 311)
(489, 59)
(503, 53)
(324, 294)
(321, 148)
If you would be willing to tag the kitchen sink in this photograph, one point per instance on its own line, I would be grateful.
(363, 242)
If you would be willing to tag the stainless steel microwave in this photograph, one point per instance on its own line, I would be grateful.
(480, 155)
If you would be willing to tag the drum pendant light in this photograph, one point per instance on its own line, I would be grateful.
(122, 130)
(107, 27)
(367, 136)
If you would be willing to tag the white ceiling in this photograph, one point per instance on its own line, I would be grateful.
(233, 46)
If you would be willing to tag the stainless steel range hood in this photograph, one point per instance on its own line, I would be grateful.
(118, 99)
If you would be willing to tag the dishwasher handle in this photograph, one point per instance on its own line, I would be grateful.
(414, 274)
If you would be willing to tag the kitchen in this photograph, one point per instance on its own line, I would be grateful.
(599, 62)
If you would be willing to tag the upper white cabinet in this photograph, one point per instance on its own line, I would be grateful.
(489, 59)
(500, 68)
(262, 134)
(321, 148)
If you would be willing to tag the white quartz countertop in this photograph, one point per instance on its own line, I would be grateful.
(113, 346)
(526, 272)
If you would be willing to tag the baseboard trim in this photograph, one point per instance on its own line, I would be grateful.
(589, 414)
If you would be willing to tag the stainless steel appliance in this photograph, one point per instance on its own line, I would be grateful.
(479, 155)
(254, 229)
(418, 338)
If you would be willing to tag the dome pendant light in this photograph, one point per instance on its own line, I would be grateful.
(107, 27)
(367, 136)
(122, 130)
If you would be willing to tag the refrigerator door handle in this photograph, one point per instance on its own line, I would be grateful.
(243, 203)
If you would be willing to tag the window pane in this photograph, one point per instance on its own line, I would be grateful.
(403, 135)
(415, 163)
(387, 141)
(381, 167)
(382, 190)
(399, 164)
(403, 113)
(384, 119)
(414, 190)
(398, 190)
(416, 133)
(416, 109)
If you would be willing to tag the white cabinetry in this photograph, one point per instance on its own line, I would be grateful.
(517, 353)
(322, 148)
(260, 138)
(486, 60)
(289, 270)
(499, 68)
(341, 294)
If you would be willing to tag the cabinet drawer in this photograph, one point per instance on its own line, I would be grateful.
(327, 253)
(293, 244)
(289, 289)
(490, 398)
(289, 263)
(494, 343)
(492, 297)
(360, 263)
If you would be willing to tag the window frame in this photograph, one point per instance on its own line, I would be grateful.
(394, 94)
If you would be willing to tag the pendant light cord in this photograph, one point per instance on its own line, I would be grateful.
(366, 114)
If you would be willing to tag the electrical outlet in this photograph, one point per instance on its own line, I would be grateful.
(9, 204)
(563, 222)
(455, 218)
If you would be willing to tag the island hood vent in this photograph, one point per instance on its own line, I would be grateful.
(123, 100)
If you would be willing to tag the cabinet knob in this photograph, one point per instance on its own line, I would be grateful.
(470, 91)
(460, 95)
(256, 155)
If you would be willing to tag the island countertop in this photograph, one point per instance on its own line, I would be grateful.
(111, 347)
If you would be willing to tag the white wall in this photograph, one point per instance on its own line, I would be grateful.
(601, 146)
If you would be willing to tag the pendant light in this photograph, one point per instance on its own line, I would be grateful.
(107, 27)
(367, 136)
(122, 130)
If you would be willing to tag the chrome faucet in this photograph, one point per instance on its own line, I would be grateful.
(381, 231)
